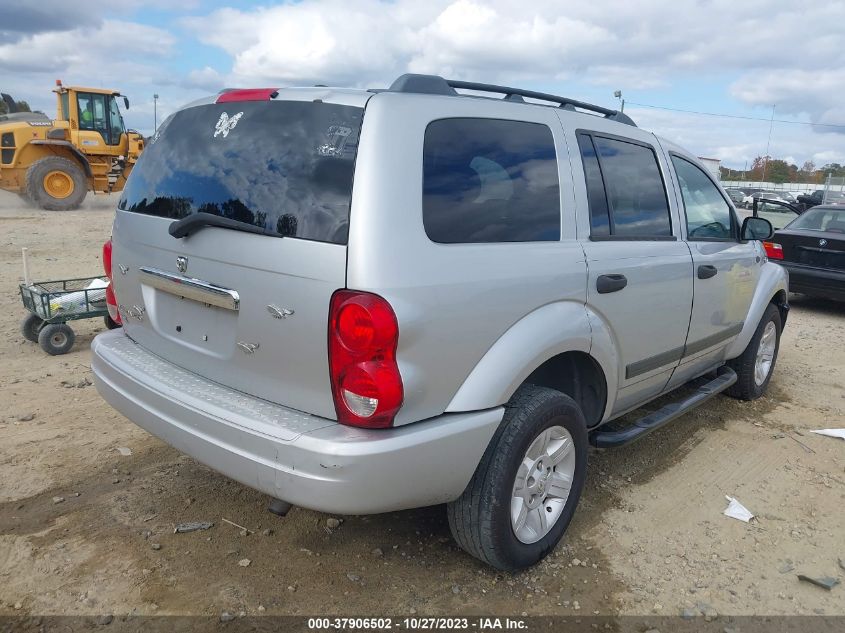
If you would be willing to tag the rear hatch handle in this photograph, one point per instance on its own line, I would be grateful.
(192, 223)
(190, 288)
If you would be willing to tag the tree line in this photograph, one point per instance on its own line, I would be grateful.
(768, 169)
(23, 106)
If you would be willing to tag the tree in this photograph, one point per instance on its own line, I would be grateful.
(757, 166)
(23, 106)
(777, 171)
(832, 168)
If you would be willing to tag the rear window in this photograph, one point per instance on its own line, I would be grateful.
(284, 166)
(490, 180)
(830, 220)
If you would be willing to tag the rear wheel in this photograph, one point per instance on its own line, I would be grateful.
(524, 492)
(56, 183)
(30, 327)
(56, 338)
(110, 322)
(755, 366)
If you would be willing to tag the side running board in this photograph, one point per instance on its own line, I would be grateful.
(611, 436)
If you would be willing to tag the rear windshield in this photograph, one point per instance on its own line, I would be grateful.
(830, 220)
(285, 166)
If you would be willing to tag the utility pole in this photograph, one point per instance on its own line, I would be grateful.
(155, 113)
(618, 95)
(768, 142)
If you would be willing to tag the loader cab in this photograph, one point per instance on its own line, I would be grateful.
(94, 118)
(99, 113)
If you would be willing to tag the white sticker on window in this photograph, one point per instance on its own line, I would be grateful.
(226, 124)
(336, 137)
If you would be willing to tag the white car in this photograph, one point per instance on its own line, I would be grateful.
(781, 196)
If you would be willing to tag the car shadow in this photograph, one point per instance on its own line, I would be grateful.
(817, 305)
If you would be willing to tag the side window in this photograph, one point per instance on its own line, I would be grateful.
(65, 107)
(708, 215)
(92, 112)
(99, 102)
(636, 194)
(115, 122)
(599, 215)
(86, 111)
(490, 180)
(625, 190)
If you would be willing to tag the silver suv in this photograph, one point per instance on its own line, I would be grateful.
(364, 301)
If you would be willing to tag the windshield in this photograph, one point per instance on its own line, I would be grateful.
(284, 166)
(830, 220)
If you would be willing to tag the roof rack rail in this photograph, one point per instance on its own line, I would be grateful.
(434, 84)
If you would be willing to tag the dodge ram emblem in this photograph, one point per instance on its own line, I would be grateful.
(182, 264)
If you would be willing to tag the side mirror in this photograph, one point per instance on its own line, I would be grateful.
(126, 102)
(756, 229)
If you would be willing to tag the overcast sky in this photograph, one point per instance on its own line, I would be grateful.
(724, 56)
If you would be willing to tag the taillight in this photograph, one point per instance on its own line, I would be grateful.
(773, 250)
(366, 384)
(111, 299)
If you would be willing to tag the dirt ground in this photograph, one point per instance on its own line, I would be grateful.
(87, 530)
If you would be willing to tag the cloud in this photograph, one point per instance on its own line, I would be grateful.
(110, 49)
(736, 142)
(118, 54)
(817, 93)
(18, 19)
(206, 78)
(633, 45)
(340, 41)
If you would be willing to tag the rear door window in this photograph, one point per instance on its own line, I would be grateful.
(490, 180)
(634, 191)
(284, 166)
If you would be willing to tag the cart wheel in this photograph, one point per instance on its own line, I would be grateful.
(111, 323)
(56, 338)
(31, 326)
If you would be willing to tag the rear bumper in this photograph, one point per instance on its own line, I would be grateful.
(305, 460)
(817, 282)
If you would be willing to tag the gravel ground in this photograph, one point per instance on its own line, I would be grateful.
(85, 529)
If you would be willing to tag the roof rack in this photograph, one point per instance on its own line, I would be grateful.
(434, 84)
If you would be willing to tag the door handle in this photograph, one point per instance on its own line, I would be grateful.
(706, 271)
(610, 283)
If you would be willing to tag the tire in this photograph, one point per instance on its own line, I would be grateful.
(30, 327)
(748, 385)
(480, 519)
(56, 183)
(111, 323)
(56, 338)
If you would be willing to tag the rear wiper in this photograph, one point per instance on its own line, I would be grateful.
(186, 226)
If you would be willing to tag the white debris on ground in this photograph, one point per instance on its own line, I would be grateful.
(736, 510)
(840, 433)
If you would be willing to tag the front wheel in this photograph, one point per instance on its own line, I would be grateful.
(56, 338)
(56, 183)
(524, 492)
(755, 366)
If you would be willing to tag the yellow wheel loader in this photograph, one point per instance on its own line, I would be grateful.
(54, 163)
